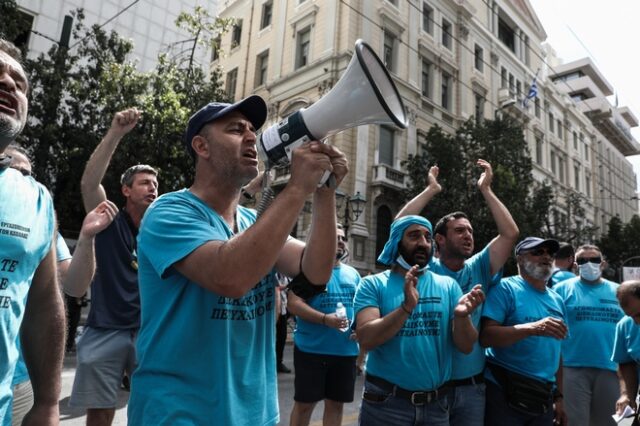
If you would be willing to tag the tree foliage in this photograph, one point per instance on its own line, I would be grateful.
(76, 92)
(621, 243)
(501, 143)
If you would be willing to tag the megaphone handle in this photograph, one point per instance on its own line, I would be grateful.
(328, 179)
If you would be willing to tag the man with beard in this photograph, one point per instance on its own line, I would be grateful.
(454, 239)
(324, 355)
(31, 306)
(523, 325)
(410, 320)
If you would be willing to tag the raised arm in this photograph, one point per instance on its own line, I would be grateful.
(83, 264)
(221, 266)
(420, 201)
(464, 333)
(90, 185)
(500, 247)
(42, 337)
(374, 330)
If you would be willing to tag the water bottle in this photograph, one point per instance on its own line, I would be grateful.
(341, 312)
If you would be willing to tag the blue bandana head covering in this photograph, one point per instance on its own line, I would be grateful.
(390, 252)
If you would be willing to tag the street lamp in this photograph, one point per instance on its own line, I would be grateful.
(349, 208)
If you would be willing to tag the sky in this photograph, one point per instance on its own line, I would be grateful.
(607, 32)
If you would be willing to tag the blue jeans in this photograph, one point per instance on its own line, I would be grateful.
(498, 412)
(397, 411)
(467, 405)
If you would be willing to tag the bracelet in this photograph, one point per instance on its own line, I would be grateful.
(405, 309)
(323, 318)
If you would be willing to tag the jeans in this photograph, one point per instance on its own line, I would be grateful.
(498, 412)
(467, 405)
(399, 411)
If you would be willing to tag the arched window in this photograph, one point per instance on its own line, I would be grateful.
(383, 225)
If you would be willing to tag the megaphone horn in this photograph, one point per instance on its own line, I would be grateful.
(365, 94)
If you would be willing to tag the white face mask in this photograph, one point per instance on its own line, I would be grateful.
(590, 271)
(402, 262)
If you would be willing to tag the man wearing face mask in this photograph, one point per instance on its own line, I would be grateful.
(589, 375)
(523, 325)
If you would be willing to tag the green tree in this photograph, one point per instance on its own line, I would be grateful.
(571, 227)
(13, 23)
(621, 242)
(501, 143)
(76, 92)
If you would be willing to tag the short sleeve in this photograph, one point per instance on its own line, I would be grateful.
(366, 295)
(62, 250)
(497, 304)
(620, 350)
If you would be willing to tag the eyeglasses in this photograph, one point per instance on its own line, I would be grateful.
(539, 252)
(584, 260)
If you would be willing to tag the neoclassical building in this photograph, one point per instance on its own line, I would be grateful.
(450, 60)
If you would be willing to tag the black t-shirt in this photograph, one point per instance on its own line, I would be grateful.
(115, 299)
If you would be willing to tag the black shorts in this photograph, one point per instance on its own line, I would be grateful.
(321, 377)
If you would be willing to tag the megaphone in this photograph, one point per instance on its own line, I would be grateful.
(365, 94)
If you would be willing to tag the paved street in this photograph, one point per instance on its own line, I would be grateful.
(71, 417)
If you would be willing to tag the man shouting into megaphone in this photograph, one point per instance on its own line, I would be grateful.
(207, 275)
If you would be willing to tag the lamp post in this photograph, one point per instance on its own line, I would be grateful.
(349, 208)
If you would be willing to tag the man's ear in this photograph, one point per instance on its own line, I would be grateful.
(126, 191)
(201, 146)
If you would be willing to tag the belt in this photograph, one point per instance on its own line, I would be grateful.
(415, 397)
(473, 380)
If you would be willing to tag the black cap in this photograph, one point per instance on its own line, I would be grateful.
(253, 107)
(530, 243)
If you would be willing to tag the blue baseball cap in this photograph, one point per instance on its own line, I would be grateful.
(253, 107)
(530, 243)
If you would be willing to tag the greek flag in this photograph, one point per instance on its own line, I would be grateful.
(533, 92)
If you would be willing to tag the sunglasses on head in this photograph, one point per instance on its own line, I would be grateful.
(584, 260)
(540, 252)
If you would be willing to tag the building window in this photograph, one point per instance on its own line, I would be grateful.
(236, 34)
(559, 128)
(267, 12)
(389, 51)
(426, 78)
(427, 18)
(512, 84)
(576, 176)
(446, 33)
(24, 23)
(215, 48)
(539, 150)
(479, 108)
(383, 226)
(518, 90)
(587, 185)
(506, 35)
(561, 169)
(553, 163)
(232, 80)
(387, 146)
(478, 58)
(446, 91)
(586, 150)
(537, 107)
(262, 65)
(551, 122)
(503, 78)
(575, 141)
(302, 47)
(393, 2)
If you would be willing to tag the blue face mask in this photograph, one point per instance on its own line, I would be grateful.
(400, 261)
(590, 271)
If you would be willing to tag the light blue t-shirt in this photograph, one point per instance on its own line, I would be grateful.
(319, 339)
(593, 312)
(626, 346)
(21, 374)
(560, 275)
(419, 356)
(203, 359)
(512, 302)
(26, 232)
(476, 270)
